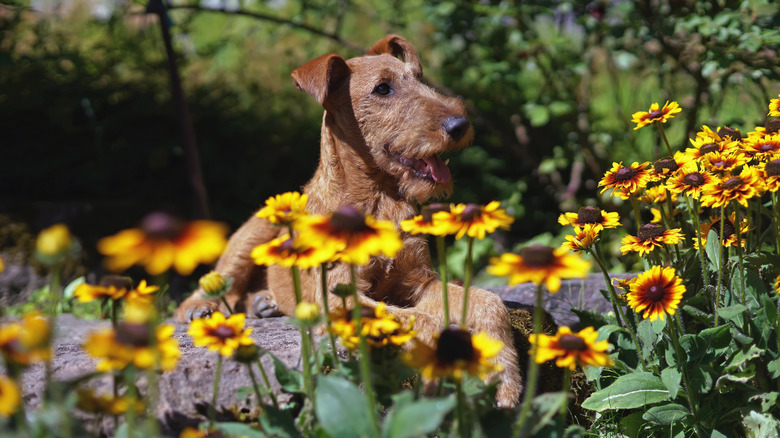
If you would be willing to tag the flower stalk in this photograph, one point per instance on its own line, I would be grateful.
(440, 251)
(467, 282)
(533, 367)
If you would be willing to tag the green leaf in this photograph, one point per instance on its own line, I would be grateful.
(545, 407)
(713, 248)
(408, 418)
(290, 380)
(671, 378)
(341, 408)
(700, 379)
(768, 400)
(629, 391)
(648, 333)
(742, 357)
(239, 430)
(774, 368)
(761, 425)
(666, 414)
(732, 312)
(70, 289)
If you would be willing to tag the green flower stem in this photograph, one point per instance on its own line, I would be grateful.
(227, 306)
(132, 396)
(215, 392)
(326, 311)
(776, 219)
(460, 411)
(308, 379)
(533, 367)
(660, 127)
(635, 206)
(689, 394)
(566, 386)
(114, 313)
(696, 222)
(264, 375)
(737, 226)
(467, 282)
(296, 275)
(55, 288)
(255, 385)
(443, 272)
(671, 223)
(365, 356)
(720, 267)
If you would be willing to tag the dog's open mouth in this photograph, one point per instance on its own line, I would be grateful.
(432, 168)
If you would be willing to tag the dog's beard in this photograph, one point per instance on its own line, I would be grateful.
(420, 190)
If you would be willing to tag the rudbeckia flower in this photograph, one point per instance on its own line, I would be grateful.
(10, 396)
(738, 188)
(220, 334)
(582, 239)
(656, 114)
(424, 222)
(162, 242)
(571, 349)
(473, 220)
(26, 341)
(721, 163)
(689, 181)
(729, 230)
(107, 404)
(132, 343)
(54, 241)
(378, 327)
(657, 292)
(540, 265)
(649, 237)
(707, 141)
(666, 166)
(762, 148)
(455, 353)
(774, 107)
(625, 181)
(287, 252)
(284, 209)
(777, 285)
(770, 173)
(590, 216)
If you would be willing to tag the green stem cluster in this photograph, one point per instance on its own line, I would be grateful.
(533, 367)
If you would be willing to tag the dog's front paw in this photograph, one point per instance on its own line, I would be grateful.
(264, 307)
(191, 310)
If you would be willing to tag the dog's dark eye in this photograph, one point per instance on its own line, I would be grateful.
(383, 89)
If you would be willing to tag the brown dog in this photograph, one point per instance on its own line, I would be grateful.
(381, 135)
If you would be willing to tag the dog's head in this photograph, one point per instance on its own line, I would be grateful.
(403, 124)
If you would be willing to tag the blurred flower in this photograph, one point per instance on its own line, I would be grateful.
(688, 181)
(777, 285)
(107, 404)
(473, 220)
(774, 107)
(539, 264)
(27, 341)
(624, 284)
(191, 432)
(655, 114)
(2, 265)
(284, 209)
(424, 222)
(729, 230)
(456, 352)
(247, 354)
(220, 334)
(162, 242)
(115, 287)
(582, 239)
(357, 237)
(54, 240)
(592, 216)
(722, 162)
(378, 327)
(769, 172)
(286, 251)
(657, 291)
(739, 188)
(762, 148)
(653, 195)
(10, 396)
(571, 349)
(212, 283)
(132, 343)
(625, 181)
(649, 237)
(307, 312)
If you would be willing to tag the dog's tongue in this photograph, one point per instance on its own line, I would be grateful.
(438, 170)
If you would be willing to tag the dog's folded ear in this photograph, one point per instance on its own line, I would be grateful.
(320, 76)
(398, 46)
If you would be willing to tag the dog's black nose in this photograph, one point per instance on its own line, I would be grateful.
(456, 127)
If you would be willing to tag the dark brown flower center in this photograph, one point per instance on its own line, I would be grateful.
(694, 179)
(709, 148)
(572, 343)
(655, 293)
(667, 164)
(732, 183)
(117, 281)
(454, 344)
(136, 335)
(650, 231)
(223, 332)
(471, 212)
(766, 147)
(624, 174)
(537, 255)
(162, 226)
(427, 212)
(589, 215)
(772, 126)
(720, 164)
(348, 218)
(772, 168)
(287, 246)
(656, 114)
(733, 133)
(728, 229)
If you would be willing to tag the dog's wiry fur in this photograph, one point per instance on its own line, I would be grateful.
(372, 150)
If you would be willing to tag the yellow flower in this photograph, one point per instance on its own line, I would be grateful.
(571, 349)
(653, 195)
(2, 265)
(307, 312)
(162, 242)
(539, 264)
(27, 341)
(625, 181)
(212, 283)
(285, 208)
(590, 216)
(736, 188)
(762, 148)
(10, 396)
(378, 327)
(769, 172)
(582, 239)
(220, 334)
(54, 240)
(473, 220)
(355, 236)
(707, 142)
(729, 230)
(287, 252)
(774, 107)
(689, 181)
(665, 167)
(656, 114)
(142, 292)
(777, 285)
(107, 404)
(115, 287)
(132, 343)
(424, 223)
(657, 292)
(455, 354)
(722, 162)
(649, 237)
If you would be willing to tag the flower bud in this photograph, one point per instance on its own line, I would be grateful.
(212, 283)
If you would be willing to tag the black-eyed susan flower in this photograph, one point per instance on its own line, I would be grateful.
(657, 292)
(107, 404)
(284, 209)
(777, 285)
(134, 343)
(357, 237)
(379, 328)
(769, 172)
(649, 237)
(10, 397)
(761, 148)
(688, 181)
(162, 242)
(723, 163)
(473, 220)
(213, 283)
(656, 114)
(2, 265)
(729, 230)
(424, 222)
(113, 287)
(664, 167)
(307, 312)
(539, 264)
(708, 141)
(220, 334)
(582, 239)
(55, 244)
(653, 195)
(590, 216)
(571, 349)
(26, 341)
(738, 188)
(456, 353)
(287, 252)
(625, 181)
(774, 107)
